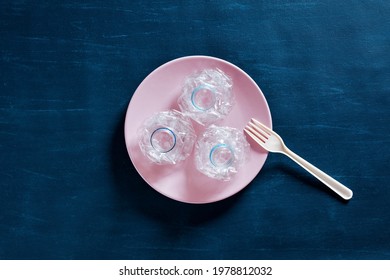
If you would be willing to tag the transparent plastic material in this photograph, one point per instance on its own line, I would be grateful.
(220, 152)
(167, 137)
(207, 96)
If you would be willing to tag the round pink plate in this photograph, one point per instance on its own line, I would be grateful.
(159, 92)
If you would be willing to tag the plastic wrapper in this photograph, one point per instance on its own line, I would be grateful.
(167, 137)
(220, 152)
(207, 96)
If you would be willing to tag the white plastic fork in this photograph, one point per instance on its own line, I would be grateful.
(272, 142)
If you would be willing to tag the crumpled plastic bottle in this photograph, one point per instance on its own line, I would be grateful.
(220, 152)
(167, 137)
(207, 96)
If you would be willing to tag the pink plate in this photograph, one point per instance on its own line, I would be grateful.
(159, 92)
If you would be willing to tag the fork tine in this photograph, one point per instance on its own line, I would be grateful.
(256, 133)
(258, 130)
(258, 141)
(268, 130)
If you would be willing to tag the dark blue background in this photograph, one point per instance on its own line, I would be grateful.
(68, 189)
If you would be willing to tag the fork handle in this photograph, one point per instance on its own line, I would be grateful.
(330, 182)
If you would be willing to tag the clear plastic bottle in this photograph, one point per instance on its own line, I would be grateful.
(207, 96)
(167, 137)
(220, 152)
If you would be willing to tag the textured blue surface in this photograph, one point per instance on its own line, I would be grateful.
(68, 70)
